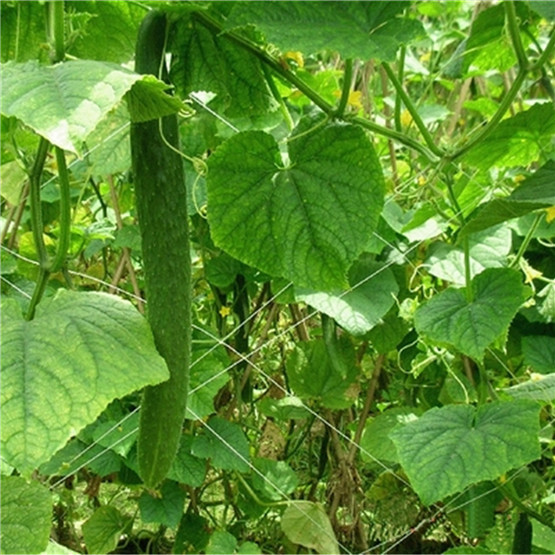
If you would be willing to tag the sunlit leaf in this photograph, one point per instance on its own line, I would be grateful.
(455, 446)
(61, 369)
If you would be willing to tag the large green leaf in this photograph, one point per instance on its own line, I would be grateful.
(204, 61)
(536, 192)
(538, 388)
(276, 479)
(355, 29)
(102, 531)
(224, 443)
(165, 507)
(471, 326)
(65, 102)
(357, 309)
(516, 141)
(307, 524)
(307, 219)
(450, 448)
(26, 515)
(539, 353)
(60, 370)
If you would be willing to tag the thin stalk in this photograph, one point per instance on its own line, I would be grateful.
(56, 29)
(38, 292)
(275, 93)
(467, 272)
(346, 90)
(496, 118)
(400, 77)
(514, 32)
(412, 110)
(526, 241)
(65, 212)
(547, 52)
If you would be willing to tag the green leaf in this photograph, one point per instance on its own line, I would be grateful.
(313, 376)
(375, 442)
(65, 102)
(487, 249)
(472, 326)
(147, 100)
(108, 31)
(117, 435)
(450, 448)
(103, 529)
(386, 335)
(364, 30)
(110, 150)
(488, 46)
(276, 473)
(539, 353)
(358, 309)
(221, 543)
(307, 524)
(539, 388)
(164, 508)
(192, 535)
(26, 515)
(203, 61)
(12, 179)
(547, 307)
(535, 192)
(186, 468)
(207, 377)
(55, 548)
(224, 443)
(288, 408)
(60, 370)
(306, 220)
(516, 141)
(23, 34)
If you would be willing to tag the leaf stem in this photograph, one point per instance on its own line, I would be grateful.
(412, 110)
(65, 212)
(56, 29)
(467, 271)
(526, 241)
(347, 77)
(514, 32)
(400, 76)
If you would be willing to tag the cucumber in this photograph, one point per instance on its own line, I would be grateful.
(161, 203)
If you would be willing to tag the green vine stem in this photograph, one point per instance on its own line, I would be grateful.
(412, 110)
(346, 90)
(56, 29)
(524, 69)
(65, 212)
(400, 77)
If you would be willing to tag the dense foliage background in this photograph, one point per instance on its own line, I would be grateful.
(372, 205)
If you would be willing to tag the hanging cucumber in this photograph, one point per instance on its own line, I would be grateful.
(161, 202)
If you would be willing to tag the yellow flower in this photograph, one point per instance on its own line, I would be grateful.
(406, 118)
(297, 57)
(225, 311)
(354, 100)
(550, 214)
